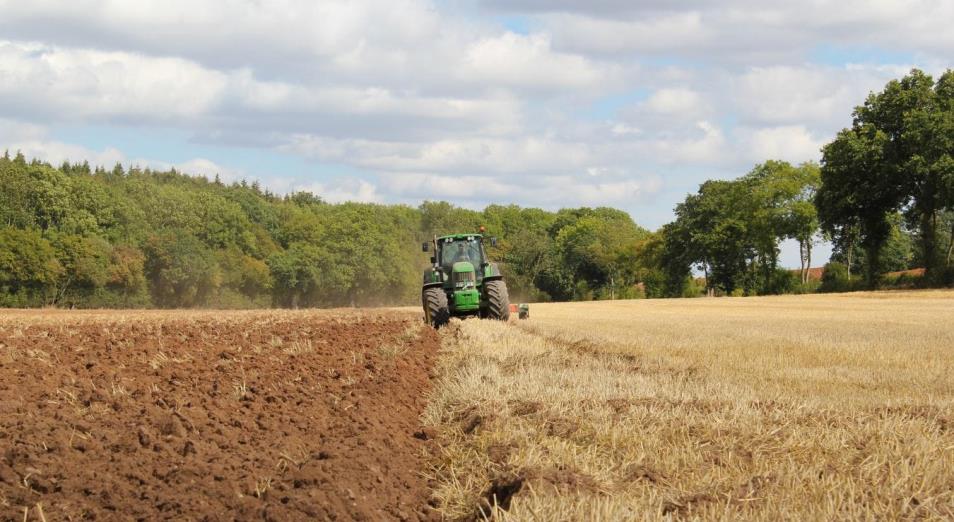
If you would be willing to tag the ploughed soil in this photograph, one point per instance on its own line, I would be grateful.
(274, 415)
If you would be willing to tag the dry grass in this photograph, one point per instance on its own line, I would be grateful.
(798, 408)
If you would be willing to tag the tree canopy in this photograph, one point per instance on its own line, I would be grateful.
(80, 236)
(897, 156)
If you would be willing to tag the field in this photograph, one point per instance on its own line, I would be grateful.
(796, 407)
(213, 416)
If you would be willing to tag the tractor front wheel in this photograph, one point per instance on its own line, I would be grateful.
(498, 301)
(436, 311)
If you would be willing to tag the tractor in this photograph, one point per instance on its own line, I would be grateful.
(461, 282)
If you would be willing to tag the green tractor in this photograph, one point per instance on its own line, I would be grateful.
(461, 282)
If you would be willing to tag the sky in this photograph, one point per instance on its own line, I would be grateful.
(547, 103)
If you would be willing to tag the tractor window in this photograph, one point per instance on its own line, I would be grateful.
(461, 250)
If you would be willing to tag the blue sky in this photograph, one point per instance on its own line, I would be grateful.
(550, 104)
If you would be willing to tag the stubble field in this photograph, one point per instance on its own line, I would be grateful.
(796, 407)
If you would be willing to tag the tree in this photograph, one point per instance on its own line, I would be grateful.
(928, 137)
(897, 155)
(897, 253)
(599, 249)
(28, 267)
(858, 191)
(714, 230)
(244, 274)
(730, 230)
(126, 274)
(85, 263)
(181, 270)
(785, 208)
(297, 273)
(15, 208)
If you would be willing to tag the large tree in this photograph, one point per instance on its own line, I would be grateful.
(858, 191)
(730, 230)
(897, 155)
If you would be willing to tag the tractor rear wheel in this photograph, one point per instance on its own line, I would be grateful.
(436, 311)
(498, 301)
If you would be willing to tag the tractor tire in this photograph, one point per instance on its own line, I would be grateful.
(498, 301)
(436, 311)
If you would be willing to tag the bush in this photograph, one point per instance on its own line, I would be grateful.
(836, 279)
(781, 282)
(810, 287)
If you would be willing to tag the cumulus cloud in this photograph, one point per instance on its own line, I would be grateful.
(808, 94)
(533, 155)
(678, 100)
(344, 189)
(80, 84)
(663, 32)
(792, 143)
(529, 61)
(210, 169)
(601, 102)
(736, 31)
(547, 191)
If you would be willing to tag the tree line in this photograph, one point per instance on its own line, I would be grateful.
(73, 235)
(883, 195)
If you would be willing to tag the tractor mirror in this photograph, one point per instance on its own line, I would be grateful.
(433, 260)
(493, 242)
(425, 247)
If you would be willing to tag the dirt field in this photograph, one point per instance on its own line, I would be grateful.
(213, 415)
(821, 407)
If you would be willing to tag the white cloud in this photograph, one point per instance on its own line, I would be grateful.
(531, 155)
(603, 102)
(210, 169)
(622, 129)
(675, 101)
(548, 191)
(13, 130)
(76, 84)
(740, 31)
(662, 32)
(709, 146)
(34, 141)
(344, 189)
(792, 143)
(807, 94)
(529, 61)
(121, 87)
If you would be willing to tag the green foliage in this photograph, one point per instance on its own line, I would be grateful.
(835, 278)
(730, 231)
(898, 252)
(181, 269)
(593, 255)
(898, 155)
(85, 263)
(29, 269)
(76, 236)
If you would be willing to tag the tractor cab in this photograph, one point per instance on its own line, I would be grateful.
(461, 249)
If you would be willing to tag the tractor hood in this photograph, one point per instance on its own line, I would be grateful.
(463, 275)
(463, 267)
